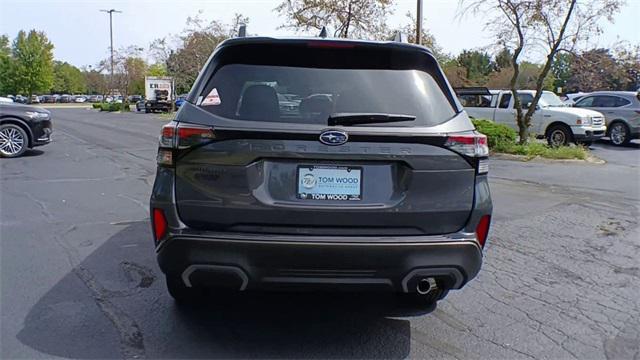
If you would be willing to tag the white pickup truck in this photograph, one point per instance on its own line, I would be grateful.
(553, 120)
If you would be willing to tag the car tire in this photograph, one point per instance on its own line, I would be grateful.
(559, 135)
(14, 141)
(146, 111)
(619, 134)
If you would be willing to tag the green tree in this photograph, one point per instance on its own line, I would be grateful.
(478, 65)
(503, 59)
(157, 69)
(348, 18)
(599, 69)
(136, 68)
(7, 85)
(67, 79)
(96, 81)
(552, 25)
(33, 62)
(129, 71)
(195, 45)
(561, 69)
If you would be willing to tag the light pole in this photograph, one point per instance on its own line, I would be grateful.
(111, 40)
(419, 23)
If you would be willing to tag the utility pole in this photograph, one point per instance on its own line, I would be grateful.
(419, 23)
(111, 40)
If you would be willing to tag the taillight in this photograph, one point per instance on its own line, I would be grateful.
(191, 135)
(181, 136)
(482, 230)
(472, 145)
(159, 224)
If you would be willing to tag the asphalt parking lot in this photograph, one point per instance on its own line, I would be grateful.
(561, 277)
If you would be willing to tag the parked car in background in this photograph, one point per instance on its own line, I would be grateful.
(289, 104)
(552, 120)
(380, 187)
(48, 99)
(65, 98)
(35, 99)
(21, 99)
(23, 127)
(140, 105)
(621, 110)
(4, 99)
(180, 100)
(80, 99)
(134, 98)
(570, 99)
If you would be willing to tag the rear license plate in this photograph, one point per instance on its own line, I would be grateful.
(338, 183)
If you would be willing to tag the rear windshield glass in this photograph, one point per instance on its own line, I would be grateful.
(310, 95)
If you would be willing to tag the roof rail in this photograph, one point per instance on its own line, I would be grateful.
(323, 32)
(399, 36)
(242, 30)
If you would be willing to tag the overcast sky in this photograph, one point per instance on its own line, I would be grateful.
(80, 32)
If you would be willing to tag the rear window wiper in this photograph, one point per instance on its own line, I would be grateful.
(347, 119)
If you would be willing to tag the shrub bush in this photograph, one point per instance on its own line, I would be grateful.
(97, 105)
(502, 139)
(113, 107)
(498, 135)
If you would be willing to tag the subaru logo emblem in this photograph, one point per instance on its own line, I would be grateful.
(333, 137)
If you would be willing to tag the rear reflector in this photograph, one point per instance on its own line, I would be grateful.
(483, 166)
(482, 230)
(159, 225)
(474, 145)
(165, 157)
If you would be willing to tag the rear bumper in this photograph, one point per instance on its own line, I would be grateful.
(287, 263)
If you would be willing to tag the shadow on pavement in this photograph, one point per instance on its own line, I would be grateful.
(114, 304)
(606, 144)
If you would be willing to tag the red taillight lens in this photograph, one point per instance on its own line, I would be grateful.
(190, 135)
(181, 136)
(159, 224)
(474, 145)
(482, 230)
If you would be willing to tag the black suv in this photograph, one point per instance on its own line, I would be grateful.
(375, 179)
(23, 127)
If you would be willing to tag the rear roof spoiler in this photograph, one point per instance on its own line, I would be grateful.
(474, 90)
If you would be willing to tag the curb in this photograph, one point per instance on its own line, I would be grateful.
(537, 159)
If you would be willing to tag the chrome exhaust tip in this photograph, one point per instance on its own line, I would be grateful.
(426, 285)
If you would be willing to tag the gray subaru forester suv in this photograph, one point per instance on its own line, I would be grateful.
(321, 164)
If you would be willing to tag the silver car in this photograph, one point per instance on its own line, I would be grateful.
(621, 110)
